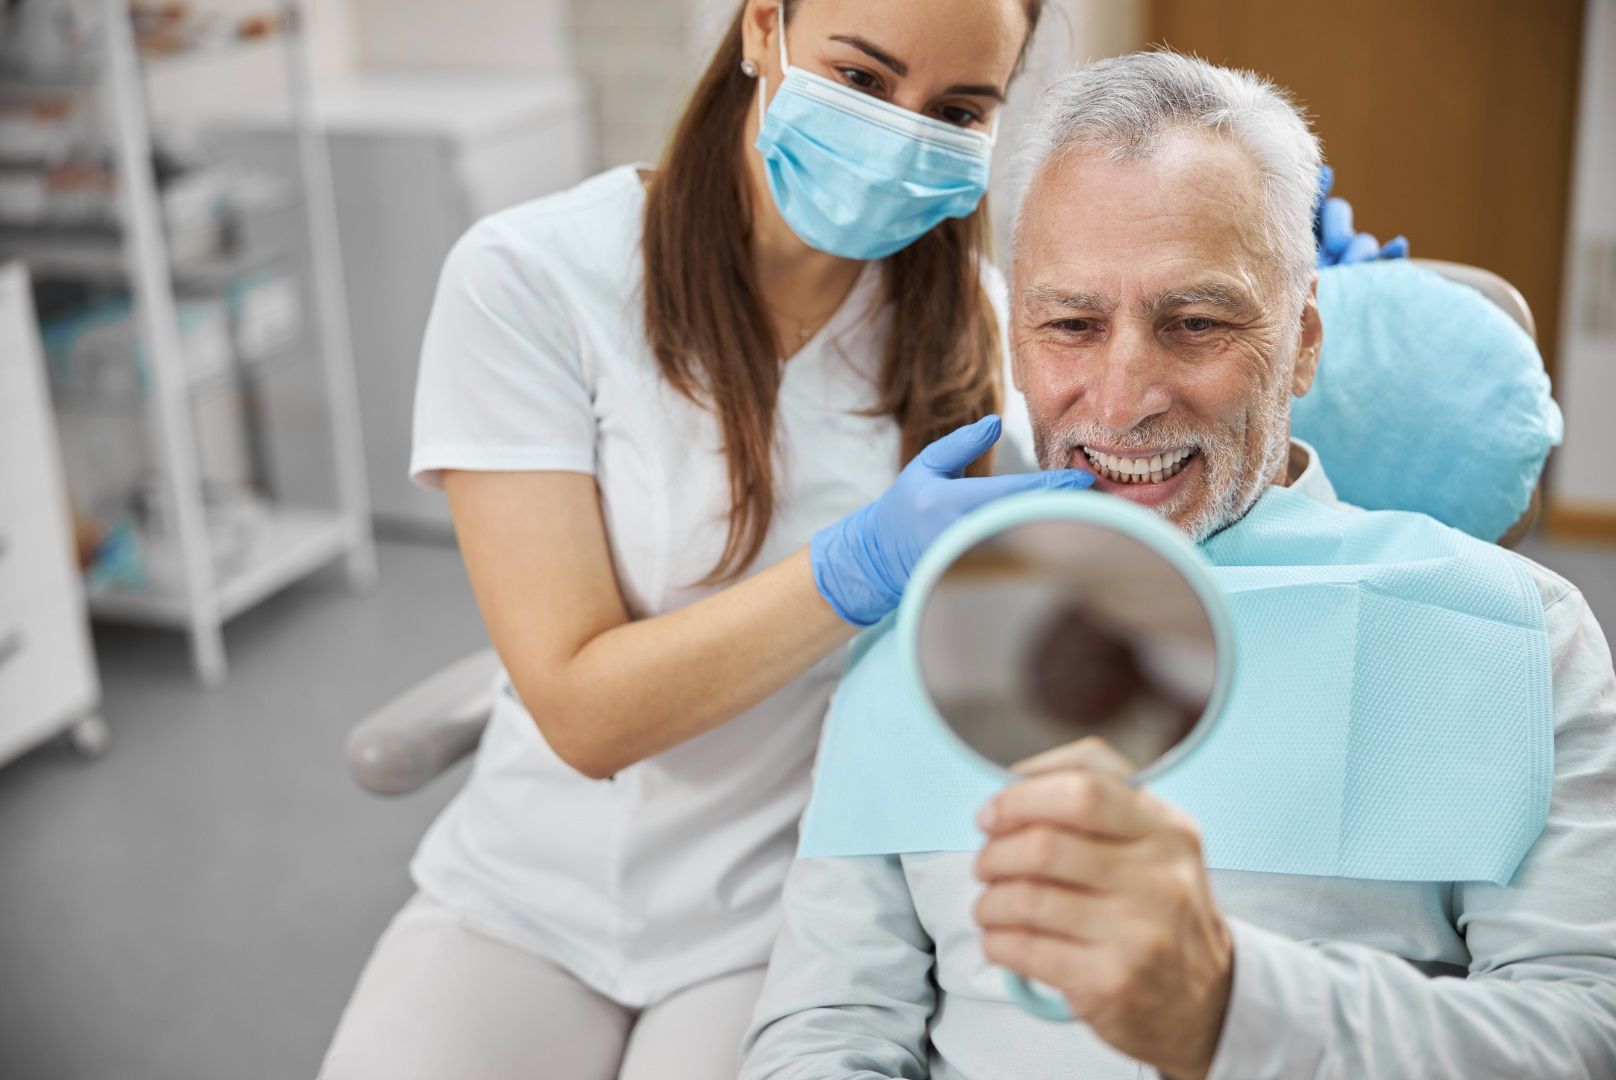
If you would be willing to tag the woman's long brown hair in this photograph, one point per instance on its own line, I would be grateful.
(714, 343)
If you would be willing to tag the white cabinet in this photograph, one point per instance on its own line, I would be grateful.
(47, 667)
(415, 160)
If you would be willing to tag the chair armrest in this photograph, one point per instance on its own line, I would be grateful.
(419, 734)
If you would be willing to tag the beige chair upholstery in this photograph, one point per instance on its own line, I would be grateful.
(416, 736)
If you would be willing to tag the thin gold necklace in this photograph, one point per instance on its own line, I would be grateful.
(806, 328)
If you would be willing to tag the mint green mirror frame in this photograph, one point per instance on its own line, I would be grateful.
(1093, 509)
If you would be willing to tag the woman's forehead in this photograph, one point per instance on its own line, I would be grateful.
(934, 41)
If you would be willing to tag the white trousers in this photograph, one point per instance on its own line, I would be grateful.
(442, 1000)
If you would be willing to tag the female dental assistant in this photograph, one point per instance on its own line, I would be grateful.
(668, 409)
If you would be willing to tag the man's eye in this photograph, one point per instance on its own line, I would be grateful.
(858, 78)
(1073, 326)
(959, 117)
(1197, 324)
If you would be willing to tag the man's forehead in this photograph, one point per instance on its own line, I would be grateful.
(1185, 217)
(1183, 169)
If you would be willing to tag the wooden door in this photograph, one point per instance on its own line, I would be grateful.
(1450, 121)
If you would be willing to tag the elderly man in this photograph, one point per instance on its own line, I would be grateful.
(1163, 300)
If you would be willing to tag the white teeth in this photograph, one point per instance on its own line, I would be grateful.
(1138, 470)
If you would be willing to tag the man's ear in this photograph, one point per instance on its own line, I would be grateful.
(1311, 344)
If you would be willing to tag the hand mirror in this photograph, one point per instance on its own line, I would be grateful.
(1044, 619)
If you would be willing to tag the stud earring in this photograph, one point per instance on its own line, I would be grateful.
(749, 69)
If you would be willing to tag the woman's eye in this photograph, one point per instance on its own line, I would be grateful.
(858, 78)
(953, 114)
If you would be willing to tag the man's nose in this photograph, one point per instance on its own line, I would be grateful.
(1129, 387)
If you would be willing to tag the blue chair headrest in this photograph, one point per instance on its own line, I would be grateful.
(1428, 398)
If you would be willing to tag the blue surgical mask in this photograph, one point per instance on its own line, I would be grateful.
(859, 177)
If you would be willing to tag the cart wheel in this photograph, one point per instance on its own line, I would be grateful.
(90, 737)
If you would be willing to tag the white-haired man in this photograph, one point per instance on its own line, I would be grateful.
(1163, 306)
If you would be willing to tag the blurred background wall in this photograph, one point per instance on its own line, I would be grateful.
(1482, 129)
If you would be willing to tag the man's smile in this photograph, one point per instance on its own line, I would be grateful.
(1145, 476)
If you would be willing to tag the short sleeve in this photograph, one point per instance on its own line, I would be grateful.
(502, 384)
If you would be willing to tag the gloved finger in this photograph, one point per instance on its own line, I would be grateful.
(1326, 181)
(950, 455)
(984, 489)
(1335, 227)
(1395, 248)
(1362, 248)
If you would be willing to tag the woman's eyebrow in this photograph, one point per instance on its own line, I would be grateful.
(977, 90)
(874, 52)
(900, 69)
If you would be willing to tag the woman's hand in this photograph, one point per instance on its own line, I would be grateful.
(862, 562)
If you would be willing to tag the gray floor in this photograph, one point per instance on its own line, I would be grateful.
(195, 906)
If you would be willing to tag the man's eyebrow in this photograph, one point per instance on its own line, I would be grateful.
(1208, 292)
(874, 52)
(1054, 296)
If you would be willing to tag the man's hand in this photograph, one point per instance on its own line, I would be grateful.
(1099, 890)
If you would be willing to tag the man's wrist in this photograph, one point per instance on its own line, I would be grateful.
(1195, 1063)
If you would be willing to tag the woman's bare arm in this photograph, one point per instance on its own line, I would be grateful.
(605, 690)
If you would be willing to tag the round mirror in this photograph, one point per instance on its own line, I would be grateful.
(1052, 629)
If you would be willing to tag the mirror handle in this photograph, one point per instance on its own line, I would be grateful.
(1041, 1003)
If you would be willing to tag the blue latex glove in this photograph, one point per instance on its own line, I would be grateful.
(862, 562)
(1332, 226)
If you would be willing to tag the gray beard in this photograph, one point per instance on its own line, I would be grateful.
(1235, 480)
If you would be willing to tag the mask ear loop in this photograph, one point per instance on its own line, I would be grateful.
(785, 64)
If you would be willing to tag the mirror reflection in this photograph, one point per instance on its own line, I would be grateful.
(1052, 631)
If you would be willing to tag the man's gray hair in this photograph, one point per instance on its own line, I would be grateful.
(1123, 107)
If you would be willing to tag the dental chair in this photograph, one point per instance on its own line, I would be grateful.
(412, 739)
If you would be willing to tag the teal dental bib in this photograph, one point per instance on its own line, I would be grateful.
(1389, 717)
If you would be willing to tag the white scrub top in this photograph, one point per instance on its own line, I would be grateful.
(535, 358)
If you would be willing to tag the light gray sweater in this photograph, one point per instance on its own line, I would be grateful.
(878, 971)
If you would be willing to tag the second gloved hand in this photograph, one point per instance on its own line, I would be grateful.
(862, 562)
(1339, 243)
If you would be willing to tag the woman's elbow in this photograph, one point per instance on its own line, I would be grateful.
(573, 737)
(588, 760)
